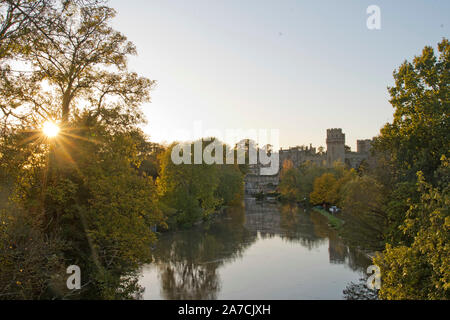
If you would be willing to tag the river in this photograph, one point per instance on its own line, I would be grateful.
(260, 251)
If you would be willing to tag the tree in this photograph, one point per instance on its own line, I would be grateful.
(150, 164)
(30, 269)
(415, 262)
(231, 184)
(365, 220)
(289, 181)
(80, 194)
(192, 192)
(343, 179)
(188, 191)
(418, 136)
(422, 270)
(19, 19)
(83, 60)
(324, 190)
(397, 203)
(297, 183)
(89, 197)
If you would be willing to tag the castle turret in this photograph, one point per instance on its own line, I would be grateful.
(335, 146)
(364, 146)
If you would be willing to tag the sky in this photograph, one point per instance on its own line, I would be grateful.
(299, 67)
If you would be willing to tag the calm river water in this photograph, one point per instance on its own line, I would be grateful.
(261, 251)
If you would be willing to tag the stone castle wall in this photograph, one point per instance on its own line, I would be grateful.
(336, 151)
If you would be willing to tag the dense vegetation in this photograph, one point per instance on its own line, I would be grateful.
(93, 195)
(190, 193)
(314, 184)
(398, 203)
(414, 150)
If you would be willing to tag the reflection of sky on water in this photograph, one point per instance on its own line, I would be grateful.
(261, 252)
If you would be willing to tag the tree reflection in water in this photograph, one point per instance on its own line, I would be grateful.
(188, 261)
(359, 291)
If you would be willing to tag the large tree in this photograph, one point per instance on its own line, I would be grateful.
(421, 270)
(188, 191)
(77, 61)
(365, 220)
(418, 136)
(324, 190)
(415, 263)
(80, 195)
(18, 19)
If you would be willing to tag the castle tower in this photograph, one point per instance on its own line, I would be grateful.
(335, 146)
(364, 146)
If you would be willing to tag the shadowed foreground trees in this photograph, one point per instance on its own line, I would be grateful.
(86, 202)
(84, 198)
(412, 170)
(421, 270)
(365, 220)
(78, 198)
(415, 150)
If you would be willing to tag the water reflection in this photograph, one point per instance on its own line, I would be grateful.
(286, 222)
(190, 264)
(188, 261)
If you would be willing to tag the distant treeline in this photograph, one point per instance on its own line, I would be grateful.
(192, 192)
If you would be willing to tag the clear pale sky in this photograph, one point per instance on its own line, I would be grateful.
(297, 66)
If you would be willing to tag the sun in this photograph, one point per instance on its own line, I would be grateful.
(50, 129)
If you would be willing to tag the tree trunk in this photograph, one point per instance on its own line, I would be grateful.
(66, 107)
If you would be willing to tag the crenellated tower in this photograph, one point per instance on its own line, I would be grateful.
(364, 146)
(335, 146)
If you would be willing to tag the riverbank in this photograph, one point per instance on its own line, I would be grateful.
(335, 222)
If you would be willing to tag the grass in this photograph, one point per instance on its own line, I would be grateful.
(335, 222)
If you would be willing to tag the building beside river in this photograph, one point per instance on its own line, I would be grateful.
(337, 151)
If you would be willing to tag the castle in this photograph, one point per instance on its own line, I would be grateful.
(337, 151)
